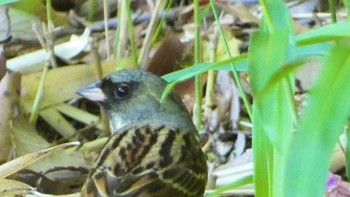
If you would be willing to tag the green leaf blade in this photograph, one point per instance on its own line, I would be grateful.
(310, 151)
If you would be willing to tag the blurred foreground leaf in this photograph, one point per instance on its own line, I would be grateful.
(322, 121)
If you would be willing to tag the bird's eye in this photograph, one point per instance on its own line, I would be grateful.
(122, 91)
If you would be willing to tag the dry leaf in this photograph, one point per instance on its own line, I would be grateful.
(9, 89)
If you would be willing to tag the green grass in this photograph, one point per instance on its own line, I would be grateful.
(291, 152)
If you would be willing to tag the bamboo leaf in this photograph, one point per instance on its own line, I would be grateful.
(322, 122)
(326, 33)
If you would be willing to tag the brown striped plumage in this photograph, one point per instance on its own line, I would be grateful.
(154, 153)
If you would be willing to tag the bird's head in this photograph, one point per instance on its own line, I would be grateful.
(132, 97)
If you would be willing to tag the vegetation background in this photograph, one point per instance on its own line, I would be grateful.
(264, 79)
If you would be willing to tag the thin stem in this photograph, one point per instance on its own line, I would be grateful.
(49, 14)
(146, 45)
(213, 38)
(234, 71)
(266, 16)
(105, 16)
(160, 25)
(347, 151)
(331, 4)
(92, 6)
(198, 84)
(98, 74)
(50, 50)
(131, 30)
(116, 51)
(347, 7)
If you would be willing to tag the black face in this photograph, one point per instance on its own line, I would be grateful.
(118, 91)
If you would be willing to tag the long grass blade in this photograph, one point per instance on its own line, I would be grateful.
(320, 126)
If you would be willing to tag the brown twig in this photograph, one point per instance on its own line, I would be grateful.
(99, 76)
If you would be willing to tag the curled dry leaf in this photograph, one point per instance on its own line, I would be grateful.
(224, 96)
(9, 94)
(167, 59)
(2, 63)
(232, 171)
(57, 90)
(4, 20)
(15, 188)
(21, 162)
(338, 158)
(42, 183)
(12, 188)
(226, 104)
(28, 142)
(241, 11)
(35, 61)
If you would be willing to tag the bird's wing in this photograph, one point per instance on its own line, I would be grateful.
(173, 182)
(149, 161)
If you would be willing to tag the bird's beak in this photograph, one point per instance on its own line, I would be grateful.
(93, 92)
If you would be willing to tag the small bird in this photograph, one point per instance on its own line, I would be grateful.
(154, 149)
